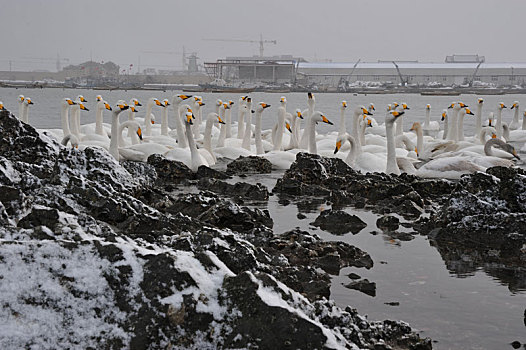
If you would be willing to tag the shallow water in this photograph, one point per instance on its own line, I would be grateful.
(458, 306)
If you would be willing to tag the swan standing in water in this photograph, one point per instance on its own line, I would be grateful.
(190, 156)
(514, 125)
(25, 109)
(357, 159)
(430, 128)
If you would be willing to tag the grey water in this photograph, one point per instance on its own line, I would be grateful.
(457, 306)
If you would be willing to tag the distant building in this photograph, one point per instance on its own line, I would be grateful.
(465, 59)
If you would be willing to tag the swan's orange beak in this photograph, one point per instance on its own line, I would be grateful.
(264, 105)
(139, 133)
(1, 107)
(184, 97)
(513, 106)
(137, 103)
(287, 125)
(83, 107)
(468, 111)
(220, 120)
(70, 102)
(200, 103)
(416, 150)
(325, 120)
(366, 112)
(98, 98)
(369, 123)
(82, 99)
(338, 146)
(244, 97)
(299, 115)
(189, 117)
(493, 136)
(158, 103)
(29, 102)
(108, 107)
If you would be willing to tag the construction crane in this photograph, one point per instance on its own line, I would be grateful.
(470, 83)
(260, 41)
(402, 80)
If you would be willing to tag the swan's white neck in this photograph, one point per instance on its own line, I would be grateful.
(478, 120)
(392, 167)
(194, 153)
(516, 116)
(342, 130)
(453, 126)
(132, 126)
(460, 122)
(148, 119)
(419, 140)
(222, 132)
(248, 130)
(312, 136)
(279, 131)
(427, 121)
(164, 121)
(75, 120)
(304, 142)
(446, 127)
(293, 143)
(355, 133)
(257, 133)
(64, 119)
(99, 118)
(196, 127)
(21, 110)
(207, 138)
(25, 112)
(354, 151)
(524, 123)
(181, 138)
(399, 125)
(498, 125)
(228, 123)
(114, 142)
(241, 120)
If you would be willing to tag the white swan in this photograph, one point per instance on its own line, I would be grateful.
(392, 166)
(176, 105)
(430, 128)
(75, 117)
(357, 159)
(257, 131)
(164, 117)
(311, 102)
(2, 108)
(446, 126)
(25, 109)
(228, 119)
(295, 130)
(342, 130)
(514, 125)
(241, 112)
(207, 139)
(462, 113)
(152, 101)
(500, 107)
(72, 139)
(478, 117)
(520, 134)
(317, 117)
(400, 121)
(114, 143)
(278, 138)
(355, 121)
(20, 100)
(191, 157)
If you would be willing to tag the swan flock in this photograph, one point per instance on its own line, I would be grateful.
(437, 148)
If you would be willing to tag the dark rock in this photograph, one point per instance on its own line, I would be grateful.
(40, 217)
(230, 215)
(392, 303)
(339, 222)
(170, 171)
(241, 189)
(301, 216)
(363, 286)
(353, 276)
(249, 165)
(204, 171)
(388, 223)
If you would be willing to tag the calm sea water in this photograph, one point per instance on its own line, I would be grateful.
(461, 310)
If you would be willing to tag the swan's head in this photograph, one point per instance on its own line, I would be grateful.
(490, 119)
(452, 105)
(362, 110)
(81, 98)
(392, 116)
(282, 100)
(183, 97)
(28, 101)
(501, 105)
(339, 142)
(444, 114)
(230, 102)
(480, 101)
(243, 98)
(415, 126)
(134, 110)
(219, 102)
(369, 122)
(394, 105)
(199, 98)
(98, 98)
(226, 105)
(371, 107)
(299, 115)
(189, 117)
(310, 96)
(405, 106)
(166, 103)
(428, 107)
(515, 105)
(320, 117)
(136, 102)
(343, 105)
(81, 105)
(21, 98)
(66, 102)
(262, 106)
(1, 106)
(139, 132)
(120, 106)
(219, 120)
(287, 125)
(157, 102)
(200, 103)
(389, 107)
(468, 111)
(505, 147)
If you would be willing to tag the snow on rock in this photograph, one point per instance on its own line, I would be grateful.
(97, 255)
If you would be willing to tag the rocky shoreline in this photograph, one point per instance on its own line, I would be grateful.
(97, 254)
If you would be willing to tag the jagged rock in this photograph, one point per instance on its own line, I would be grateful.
(240, 189)
(170, 171)
(236, 218)
(339, 222)
(249, 165)
(363, 286)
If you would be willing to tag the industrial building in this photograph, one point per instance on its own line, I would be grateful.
(456, 70)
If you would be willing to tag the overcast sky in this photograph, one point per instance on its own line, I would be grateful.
(120, 31)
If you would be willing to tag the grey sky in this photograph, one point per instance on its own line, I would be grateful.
(120, 30)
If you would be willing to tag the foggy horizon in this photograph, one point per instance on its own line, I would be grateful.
(34, 32)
